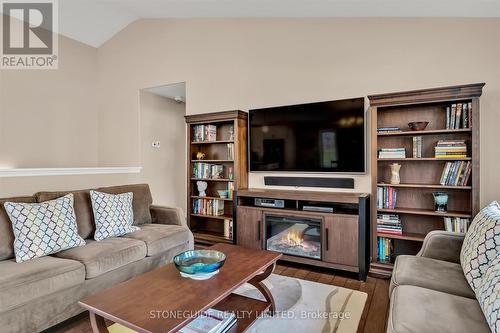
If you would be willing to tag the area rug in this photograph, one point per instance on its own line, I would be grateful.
(302, 306)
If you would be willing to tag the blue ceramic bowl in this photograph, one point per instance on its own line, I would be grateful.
(199, 261)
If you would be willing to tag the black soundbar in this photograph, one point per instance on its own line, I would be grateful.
(309, 181)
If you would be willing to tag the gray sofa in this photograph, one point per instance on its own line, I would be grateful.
(42, 292)
(429, 292)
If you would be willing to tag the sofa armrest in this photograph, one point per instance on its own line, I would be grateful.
(168, 215)
(442, 245)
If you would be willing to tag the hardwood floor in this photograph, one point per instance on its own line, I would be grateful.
(373, 319)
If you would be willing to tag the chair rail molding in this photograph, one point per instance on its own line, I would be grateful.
(35, 172)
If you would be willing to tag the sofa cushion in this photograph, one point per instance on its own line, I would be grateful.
(113, 214)
(43, 228)
(481, 244)
(488, 295)
(160, 238)
(23, 282)
(6, 234)
(83, 209)
(106, 255)
(430, 273)
(415, 309)
(141, 201)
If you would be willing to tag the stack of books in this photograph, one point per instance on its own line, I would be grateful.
(211, 321)
(389, 224)
(228, 228)
(386, 197)
(456, 173)
(456, 224)
(417, 147)
(385, 249)
(212, 207)
(392, 153)
(458, 115)
(208, 171)
(203, 133)
(451, 149)
(383, 130)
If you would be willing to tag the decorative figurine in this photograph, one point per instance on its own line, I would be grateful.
(440, 202)
(395, 179)
(200, 155)
(202, 186)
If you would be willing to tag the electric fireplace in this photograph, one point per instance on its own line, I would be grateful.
(296, 236)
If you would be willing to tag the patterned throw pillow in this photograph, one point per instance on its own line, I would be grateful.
(488, 295)
(481, 244)
(113, 214)
(43, 228)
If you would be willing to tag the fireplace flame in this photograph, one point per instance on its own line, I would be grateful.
(294, 238)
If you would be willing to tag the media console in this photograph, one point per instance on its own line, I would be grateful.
(326, 229)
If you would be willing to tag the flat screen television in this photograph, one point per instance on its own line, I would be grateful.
(315, 137)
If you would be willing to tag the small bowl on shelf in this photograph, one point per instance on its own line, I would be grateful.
(418, 125)
(199, 264)
(222, 194)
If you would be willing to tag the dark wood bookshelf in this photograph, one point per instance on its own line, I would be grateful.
(209, 229)
(420, 176)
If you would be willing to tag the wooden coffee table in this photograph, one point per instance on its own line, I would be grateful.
(162, 301)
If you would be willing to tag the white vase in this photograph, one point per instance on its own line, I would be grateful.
(395, 179)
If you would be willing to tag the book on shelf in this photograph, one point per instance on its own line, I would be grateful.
(450, 149)
(459, 115)
(392, 153)
(210, 321)
(386, 197)
(456, 224)
(212, 207)
(383, 130)
(417, 146)
(208, 170)
(456, 173)
(389, 224)
(230, 151)
(385, 249)
(230, 190)
(204, 133)
(228, 228)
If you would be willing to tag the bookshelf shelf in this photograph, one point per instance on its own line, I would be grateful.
(431, 186)
(211, 198)
(425, 159)
(414, 210)
(208, 238)
(427, 132)
(405, 236)
(213, 180)
(222, 138)
(211, 142)
(212, 161)
(217, 217)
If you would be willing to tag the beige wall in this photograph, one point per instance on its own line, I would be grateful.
(251, 63)
(90, 106)
(164, 168)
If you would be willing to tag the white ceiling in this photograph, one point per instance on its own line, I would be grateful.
(176, 91)
(95, 21)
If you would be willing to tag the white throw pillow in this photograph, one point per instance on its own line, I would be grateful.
(113, 214)
(481, 244)
(43, 228)
(488, 295)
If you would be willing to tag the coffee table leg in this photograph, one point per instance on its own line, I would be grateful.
(97, 323)
(257, 283)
